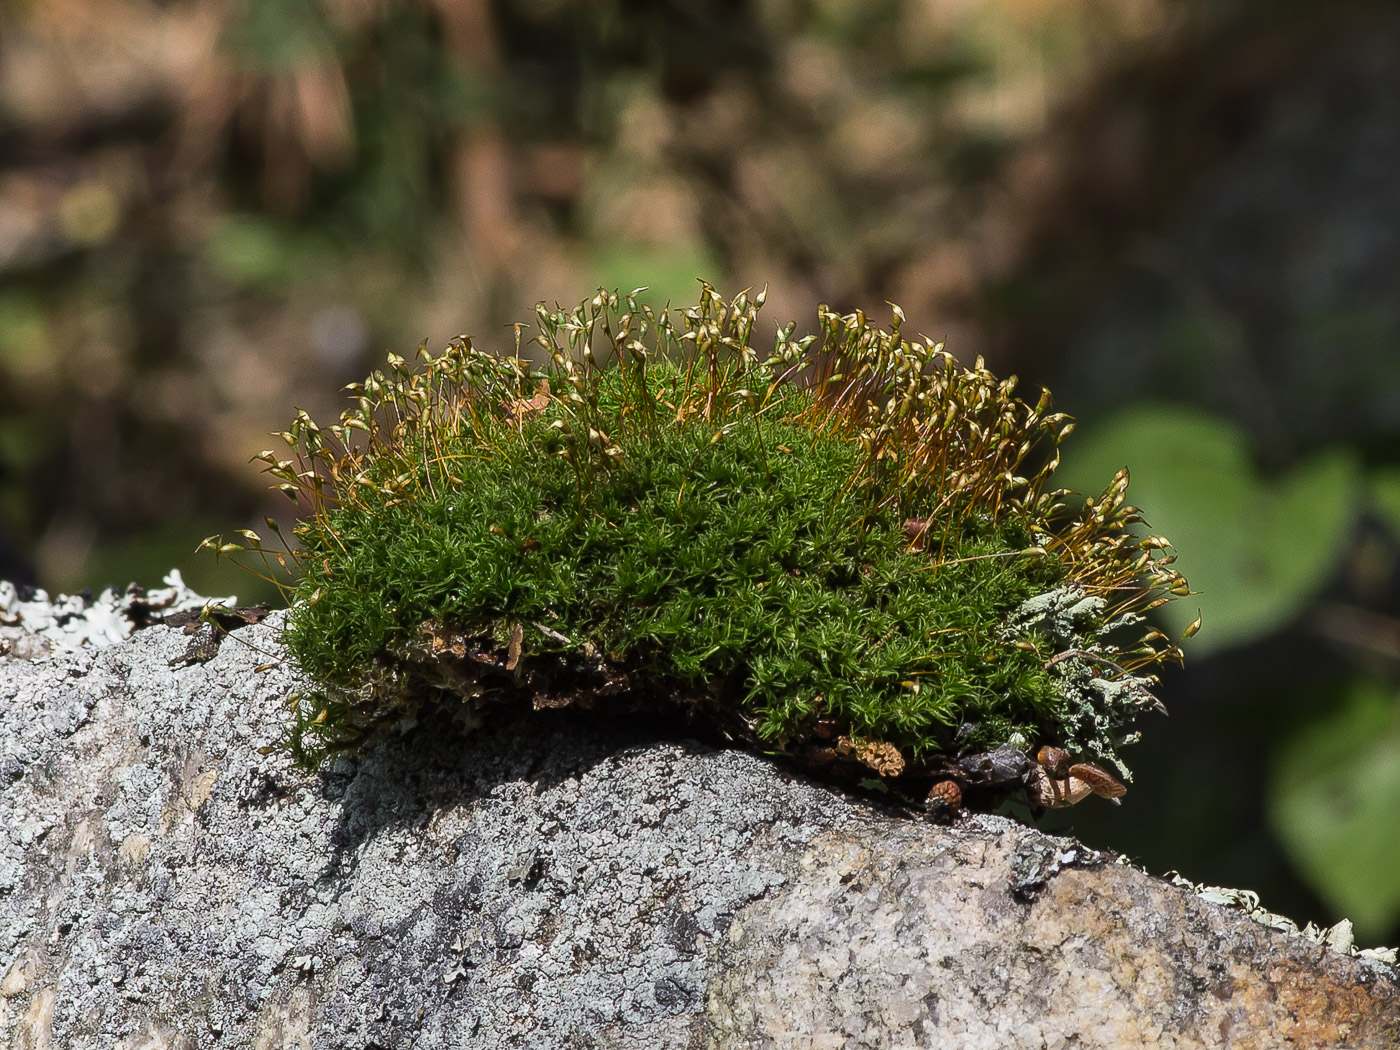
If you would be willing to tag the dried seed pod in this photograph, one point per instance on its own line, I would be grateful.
(520, 408)
(1099, 780)
(1055, 792)
(881, 756)
(944, 798)
(517, 637)
(1053, 758)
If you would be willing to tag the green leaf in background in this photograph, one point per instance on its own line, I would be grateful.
(1385, 496)
(264, 256)
(671, 275)
(1333, 794)
(26, 346)
(278, 34)
(1255, 549)
(251, 251)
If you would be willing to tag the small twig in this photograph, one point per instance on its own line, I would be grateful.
(1083, 654)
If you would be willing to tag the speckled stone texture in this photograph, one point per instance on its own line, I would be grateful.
(546, 883)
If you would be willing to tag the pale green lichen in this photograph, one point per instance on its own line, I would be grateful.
(1101, 698)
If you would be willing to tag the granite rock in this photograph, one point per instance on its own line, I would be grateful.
(546, 881)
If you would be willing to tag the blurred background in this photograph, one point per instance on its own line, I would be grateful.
(1183, 216)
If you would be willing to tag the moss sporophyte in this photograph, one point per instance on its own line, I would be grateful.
(844, 549)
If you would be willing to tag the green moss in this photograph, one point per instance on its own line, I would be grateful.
(842, 549)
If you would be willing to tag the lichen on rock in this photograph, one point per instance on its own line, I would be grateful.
(1102, 700)
(561, 880)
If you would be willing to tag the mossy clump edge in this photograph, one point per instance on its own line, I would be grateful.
(845, 548)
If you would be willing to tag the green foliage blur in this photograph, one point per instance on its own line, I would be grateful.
(212, 212)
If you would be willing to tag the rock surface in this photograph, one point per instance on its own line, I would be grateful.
(545, 882)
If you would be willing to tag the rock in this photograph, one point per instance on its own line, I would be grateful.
(550, 882)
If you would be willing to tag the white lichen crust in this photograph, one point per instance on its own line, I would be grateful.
(1101, 700)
